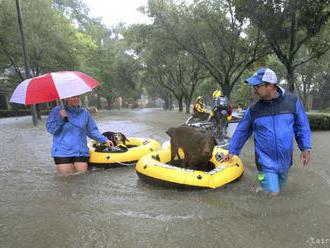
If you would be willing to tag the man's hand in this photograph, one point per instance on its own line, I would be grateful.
(109, 143)
(228, 157)
(305, 157)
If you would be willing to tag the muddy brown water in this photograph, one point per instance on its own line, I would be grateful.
(114, 208)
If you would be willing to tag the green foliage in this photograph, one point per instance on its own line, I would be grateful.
(112, 64)
(190, 49)
(61, 36)
(167, 67)
(212, 33)
(319, 121)
(10, 50)
(52, 41)
(326, 110)
(76, 10)
(289, 26)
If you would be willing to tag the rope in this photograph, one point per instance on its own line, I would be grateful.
(126, 164)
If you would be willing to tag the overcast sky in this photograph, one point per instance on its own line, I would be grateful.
(115, 11)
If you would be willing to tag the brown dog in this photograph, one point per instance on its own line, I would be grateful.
(117, 138)
(197, 145)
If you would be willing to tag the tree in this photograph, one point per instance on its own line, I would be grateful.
(169, 66)
(312, 82)
(112, 64)
(288, 26)
(211, 32)
(52, 40)
(10, 50)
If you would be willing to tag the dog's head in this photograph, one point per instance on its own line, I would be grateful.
(117, 138)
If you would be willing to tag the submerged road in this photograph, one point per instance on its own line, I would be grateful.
(113, 208)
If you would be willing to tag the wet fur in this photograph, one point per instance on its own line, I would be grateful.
(196, 143)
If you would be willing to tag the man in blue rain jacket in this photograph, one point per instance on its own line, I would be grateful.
(275, 119)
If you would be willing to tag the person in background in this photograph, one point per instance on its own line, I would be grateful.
(239, 108)
(199, 111)
(275, 119)
(70, 125)
(221, 112)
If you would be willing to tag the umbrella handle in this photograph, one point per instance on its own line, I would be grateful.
(65, 119)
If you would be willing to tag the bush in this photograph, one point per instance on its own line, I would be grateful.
(12, 113)
(15, 113)
(92, 110)
(135, 105)
(326, 110)
(319, 121)
(24, 112)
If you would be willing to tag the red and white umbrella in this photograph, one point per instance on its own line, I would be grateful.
(53, 86)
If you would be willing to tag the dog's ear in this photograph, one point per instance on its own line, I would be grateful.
(170, 131)
(124, 137)
(108, 134)
(214, 141)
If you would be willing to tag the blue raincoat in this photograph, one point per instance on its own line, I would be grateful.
(274, 123)
(70, 138)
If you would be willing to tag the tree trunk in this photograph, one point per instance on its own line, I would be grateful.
(180, 103)
(98, 101)
(187, 101)
(170, 102)
(109, 103)
(306, 83)
(290, 78)
(225, 89)
(166, 105)
(305, 97)
(309, 105)
(86, 101)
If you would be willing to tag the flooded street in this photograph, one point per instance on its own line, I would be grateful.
(114, 208)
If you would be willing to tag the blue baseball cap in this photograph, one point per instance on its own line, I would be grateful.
(262, 75)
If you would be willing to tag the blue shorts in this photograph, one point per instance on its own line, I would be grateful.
(272, 182)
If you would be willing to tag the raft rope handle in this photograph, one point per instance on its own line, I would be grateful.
(126, 164)
(121, 163)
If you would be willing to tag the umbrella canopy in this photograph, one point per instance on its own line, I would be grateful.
(53, 86)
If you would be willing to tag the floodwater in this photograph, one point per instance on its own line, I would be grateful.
(114, 208)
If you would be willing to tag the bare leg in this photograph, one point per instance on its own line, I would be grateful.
(81, 166)
(65, 169)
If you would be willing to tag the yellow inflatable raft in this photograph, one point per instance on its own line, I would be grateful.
(134, 150)
(153, 167)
